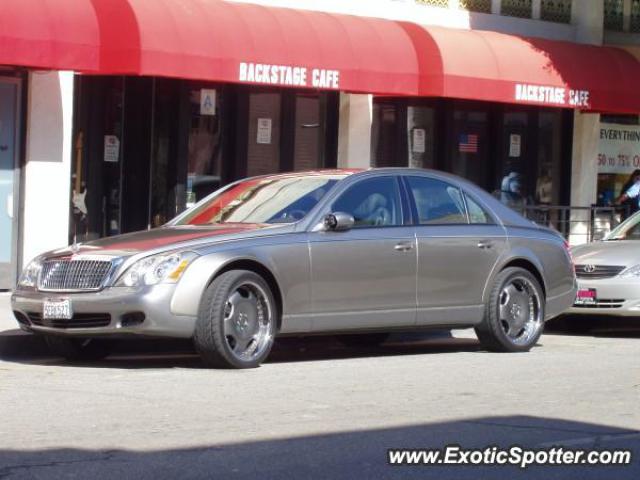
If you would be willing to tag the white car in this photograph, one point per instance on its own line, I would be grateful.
(608, 273)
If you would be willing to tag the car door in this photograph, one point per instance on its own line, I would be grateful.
(459, 244)
(365, 277)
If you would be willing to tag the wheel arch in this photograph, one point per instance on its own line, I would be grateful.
(259, 268)
(531, 267)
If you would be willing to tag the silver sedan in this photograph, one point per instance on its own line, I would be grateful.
(349, 252)
(608, 273)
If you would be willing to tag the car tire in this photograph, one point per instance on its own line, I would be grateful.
(514, 313)
(237, 321)
(78, 349)
(363, 340)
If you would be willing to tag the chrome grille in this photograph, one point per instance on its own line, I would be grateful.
(74, 274)
(598, 271)
(79, 320)
(603, 303)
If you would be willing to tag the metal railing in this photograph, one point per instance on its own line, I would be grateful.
(576, 224)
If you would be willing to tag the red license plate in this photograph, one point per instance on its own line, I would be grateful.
(586, 297)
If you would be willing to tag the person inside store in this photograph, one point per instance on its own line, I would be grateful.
(630, 194)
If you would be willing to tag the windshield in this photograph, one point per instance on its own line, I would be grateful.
(278, 199)
(627, 230)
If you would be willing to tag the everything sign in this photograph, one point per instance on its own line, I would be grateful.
(619, 148)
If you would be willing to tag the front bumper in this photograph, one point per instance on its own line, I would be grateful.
(614, 296)
(128, 311)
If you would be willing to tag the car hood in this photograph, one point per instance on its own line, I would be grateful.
(609, 252)
(170, 238)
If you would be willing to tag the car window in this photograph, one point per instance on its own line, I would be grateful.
(275, 199)
(436, 201)
(373, 202)
(477, 214)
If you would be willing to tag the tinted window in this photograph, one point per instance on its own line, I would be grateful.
(476, 213)
(436, 201)
(372, 202)
(278, 199)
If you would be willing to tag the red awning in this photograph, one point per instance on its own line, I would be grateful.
(492, 66)
(244, 43)
(210, 39)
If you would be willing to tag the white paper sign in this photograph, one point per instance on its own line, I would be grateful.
(419, 140)
(264, 131)
(515, 142)
(111, 148)
(207, 102)
(619, 148)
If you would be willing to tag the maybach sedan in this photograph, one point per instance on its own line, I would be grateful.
(329, 252)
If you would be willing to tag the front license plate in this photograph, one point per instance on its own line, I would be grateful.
(586, 297)
(57, 309)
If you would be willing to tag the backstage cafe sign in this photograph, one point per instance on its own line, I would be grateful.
(619, 148)
(289, 76)
(555, 96)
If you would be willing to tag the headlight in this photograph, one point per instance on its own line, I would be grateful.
(164, 268)
(29, 277)
(631, 272)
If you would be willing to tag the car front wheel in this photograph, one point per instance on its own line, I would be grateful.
(514, 314)
(236, 321)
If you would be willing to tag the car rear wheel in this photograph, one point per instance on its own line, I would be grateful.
(236, 321)
(514, 314)
(78, 348)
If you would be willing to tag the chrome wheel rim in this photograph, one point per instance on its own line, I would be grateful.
(248, 321)
(520, 310)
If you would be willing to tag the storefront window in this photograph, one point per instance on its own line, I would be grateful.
(618, 162)
(468, 143)
(97, 160)
(515, 184)
(549, 165)
(384, 136)
(263, 149)
(307, 151)
(421, 136)
(204, 144)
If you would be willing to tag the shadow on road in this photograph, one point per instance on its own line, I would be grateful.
(593, 325)
(140, 354)
(346, 455)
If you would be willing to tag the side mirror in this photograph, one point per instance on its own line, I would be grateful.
(338, 222)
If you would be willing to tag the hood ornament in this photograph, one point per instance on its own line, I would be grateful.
(75, 248)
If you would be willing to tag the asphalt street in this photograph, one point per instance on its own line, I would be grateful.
(317, 409)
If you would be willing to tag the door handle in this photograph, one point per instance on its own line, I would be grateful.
(484, 244)
(403, 247)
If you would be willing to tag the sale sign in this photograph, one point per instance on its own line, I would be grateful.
(619, 148)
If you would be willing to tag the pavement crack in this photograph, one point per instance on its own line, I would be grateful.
(8, 470)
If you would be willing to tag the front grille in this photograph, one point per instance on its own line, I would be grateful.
(74, 274)
(79, 320)
(598, 271)
(603, 303)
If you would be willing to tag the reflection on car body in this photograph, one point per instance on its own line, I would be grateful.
(341, 251)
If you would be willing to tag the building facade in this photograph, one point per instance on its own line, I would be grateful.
(110, 140)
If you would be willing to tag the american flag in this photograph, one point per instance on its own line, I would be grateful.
(468, 143)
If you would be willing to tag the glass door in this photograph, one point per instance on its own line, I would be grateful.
(9, 96)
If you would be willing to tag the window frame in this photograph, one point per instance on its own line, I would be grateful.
(490, 216)
(403, 205)
(414, 206)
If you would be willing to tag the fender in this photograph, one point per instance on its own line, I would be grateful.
(515, 253)
(289, 265)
